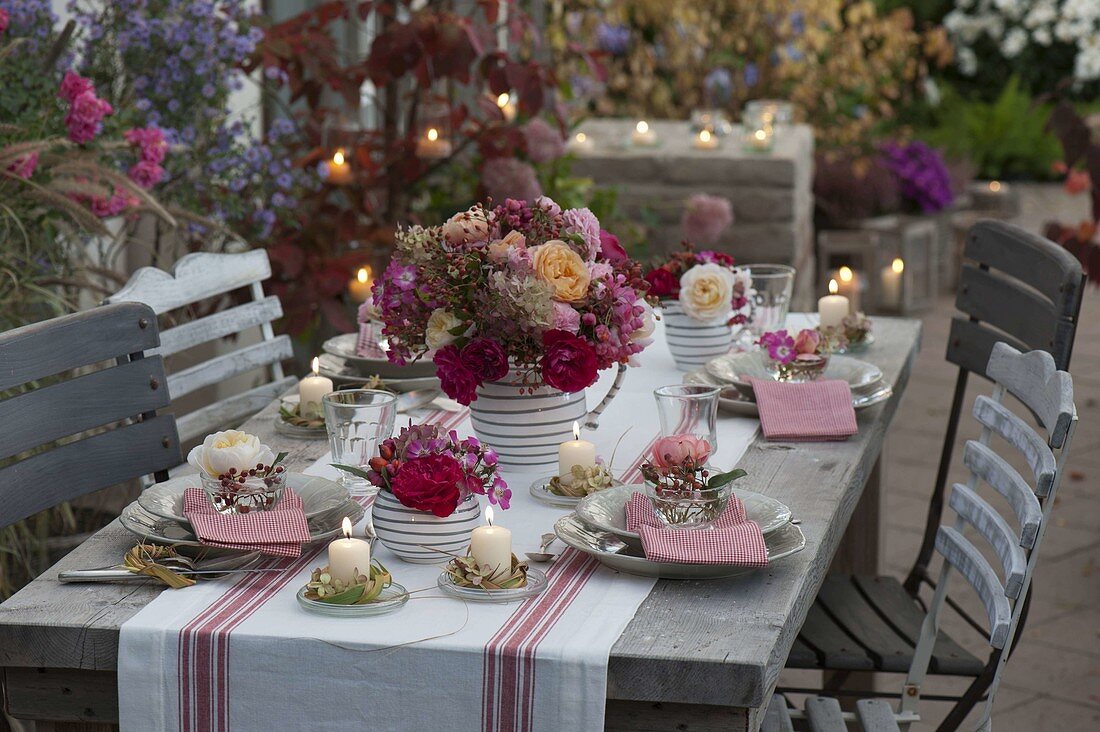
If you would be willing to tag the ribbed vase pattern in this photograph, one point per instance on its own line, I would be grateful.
(421, 537)
(691, 342)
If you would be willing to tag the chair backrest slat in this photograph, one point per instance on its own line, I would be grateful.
(1002, 477)
(1020, 435)
(222, 367)
(219, 325)
(231, 410)
(43, 349)
(1002, 537)
(88, 401)
(195, 277)
(963, 556)
(1034, 379)
(1008, 305)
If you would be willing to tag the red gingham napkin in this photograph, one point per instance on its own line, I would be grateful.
(279, 531)
(814, 411)
(732, 539)
(367, 344)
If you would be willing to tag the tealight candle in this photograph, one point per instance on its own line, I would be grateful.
(310, 391)
(433, 145)
(705, 140)
(849, 287)
(491, 546)
(575, 452)
(360, 287)
(891, 284)
(833, 308)
(761, 139)
(643, 135)
(507, 106)
(581, 142)
(339, 169)
(348, 558)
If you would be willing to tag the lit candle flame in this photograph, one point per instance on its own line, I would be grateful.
(338, 157)
(581, 137)
(846, 274)
(704, 136)
(363, 274)
(642, 127)
(898, 265)
(503, 99)
(433, 134)
(316, 364)
(833, 287)
(760, 135)
(489, 515)
(576, 430)
(346, 525)
(994, 185)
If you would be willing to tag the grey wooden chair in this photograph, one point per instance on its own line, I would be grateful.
(1016, 288)
(65, 434)
(200, 277)
(1033, 379)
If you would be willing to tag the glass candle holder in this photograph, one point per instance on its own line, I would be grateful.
(680, 506)
(357, 420)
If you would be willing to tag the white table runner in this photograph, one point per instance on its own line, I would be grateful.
(241, 654)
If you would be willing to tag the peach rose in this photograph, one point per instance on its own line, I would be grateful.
(498, 248)
(466, 227)
(557, 263)
(673, 450)
(706, 292)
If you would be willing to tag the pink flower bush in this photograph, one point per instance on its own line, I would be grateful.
(150, 143)
(146, 174)
(24, 166)
(706, 218)
(543, 142)
(86, 111)
(510, 178)
(676, 449)
(5, 19)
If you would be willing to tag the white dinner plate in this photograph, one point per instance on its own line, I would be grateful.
(344, 347)
(339, 371)
(738, 368)
(165, 500)
(732, 400)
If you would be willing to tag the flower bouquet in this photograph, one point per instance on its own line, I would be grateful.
(684, 493)
(520, 299)
(702, 295)
(802, 357)
(439, 476)
(239, 474)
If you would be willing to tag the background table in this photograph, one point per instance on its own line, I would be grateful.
(709, 651)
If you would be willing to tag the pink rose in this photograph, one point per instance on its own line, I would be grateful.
(5, 19)
(807, 341)
(569, 362)
(485, 358)
(24, 165)
(467, 227)
(610, 247)
(566, 317)
(85, 114)
(146, 174)
(675, 449)
(73, 85)
(455, 377)
(429, 483)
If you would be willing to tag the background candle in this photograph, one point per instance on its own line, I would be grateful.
(507, 106)
(891, 284)
(348, 557)
(832, 308)
(642, 135)
(581, 143)
(339, 170)
(575, 452)
(310, 391)
(849, 286)
(360, 287)
(491, 546)
(705, 140)
(433, 145)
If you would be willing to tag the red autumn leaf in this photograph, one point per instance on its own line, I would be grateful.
(336, 314)
(288, 258)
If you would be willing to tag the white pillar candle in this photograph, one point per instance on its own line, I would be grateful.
(891, 284)
(360, 287)
(433, 145)
(348, 557)
(833, 308)
(575, 452)
(339, 170)
(507, 106)
(491, 546)
(849, 286)
(310, 391)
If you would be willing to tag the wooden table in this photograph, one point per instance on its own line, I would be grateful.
(702, 653)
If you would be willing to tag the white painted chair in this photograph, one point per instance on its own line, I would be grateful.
(202, 276)
(1048, 393)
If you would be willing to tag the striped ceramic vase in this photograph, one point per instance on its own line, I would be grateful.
(525, 427)
(691, 342)
(421, 537)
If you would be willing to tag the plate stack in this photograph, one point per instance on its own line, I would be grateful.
(598, 527)
(342, 363)
(733, 371)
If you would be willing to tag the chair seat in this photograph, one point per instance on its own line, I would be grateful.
(823, 714)
(871, 624)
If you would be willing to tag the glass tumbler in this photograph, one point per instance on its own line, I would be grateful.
(772, 286)
(689, 409)
(357, 420)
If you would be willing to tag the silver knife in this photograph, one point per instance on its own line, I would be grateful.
(122, 575)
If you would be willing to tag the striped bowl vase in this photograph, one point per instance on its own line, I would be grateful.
(692, 342)
(421, 537)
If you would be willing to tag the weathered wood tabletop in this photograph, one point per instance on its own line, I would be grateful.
(709, 651)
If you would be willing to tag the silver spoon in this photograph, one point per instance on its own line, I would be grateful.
(410, 400)
(542, 555)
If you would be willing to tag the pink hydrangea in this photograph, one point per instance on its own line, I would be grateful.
(544, 143)
(566, 318)
(24, 165)
(706, 218)
(505, 178)
(146, 174)
(582, 222)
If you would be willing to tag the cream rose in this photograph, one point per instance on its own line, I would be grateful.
(649, 322)
(440, 324)
(499, 248)
(558, 264)
(230, 449)
(466, 227)
(706, 292)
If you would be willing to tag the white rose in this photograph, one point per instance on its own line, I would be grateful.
(230, 449)
(440, 324)
(649, 322)
(706, 292)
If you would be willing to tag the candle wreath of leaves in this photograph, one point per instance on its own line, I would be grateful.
(465, 572)
(323, 587)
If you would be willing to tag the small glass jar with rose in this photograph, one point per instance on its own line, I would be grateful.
(239, 473)
(798, 358)
(684, 491)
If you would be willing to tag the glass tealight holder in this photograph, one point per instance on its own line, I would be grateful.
(357, 420)
(680, 507)
(244, 493)
(689, 409)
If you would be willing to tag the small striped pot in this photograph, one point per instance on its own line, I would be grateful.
(421, 537)
(691, 342)
(525, 428)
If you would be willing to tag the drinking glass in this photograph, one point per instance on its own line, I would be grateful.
(772, 286)
(689, 409)
(357, 420)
